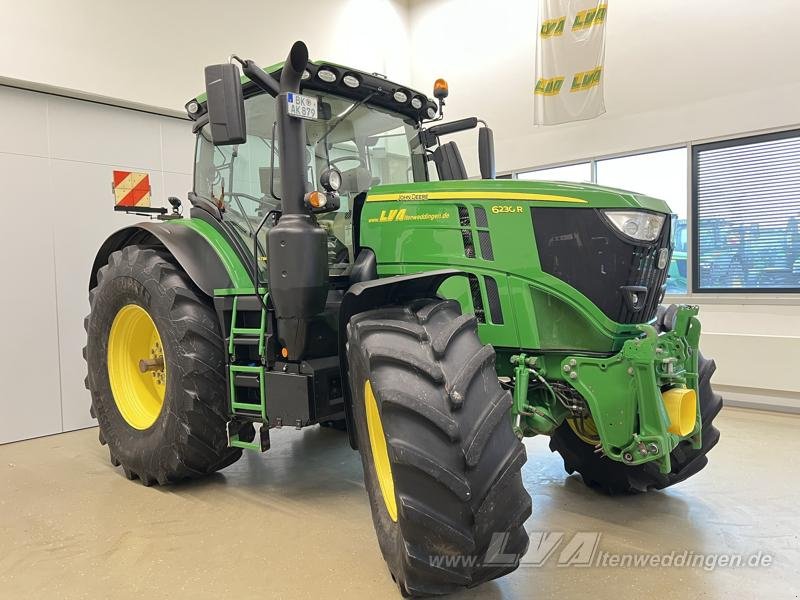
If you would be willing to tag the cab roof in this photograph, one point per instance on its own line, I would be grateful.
(387, 94)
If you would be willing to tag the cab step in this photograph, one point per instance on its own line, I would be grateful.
(248, 341)
(260, 442)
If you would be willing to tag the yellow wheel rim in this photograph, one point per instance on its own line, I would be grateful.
(380, 452)
(587, 431)
(136, 367)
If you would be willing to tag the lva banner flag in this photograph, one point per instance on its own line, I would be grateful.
(570, 50)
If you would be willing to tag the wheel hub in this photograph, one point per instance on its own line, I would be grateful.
(585, 429)
(136, 368)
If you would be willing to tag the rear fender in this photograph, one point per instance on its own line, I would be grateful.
(194, 253)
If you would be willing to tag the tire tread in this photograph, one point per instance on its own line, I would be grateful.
(460, 460)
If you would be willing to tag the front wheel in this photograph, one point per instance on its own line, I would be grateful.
(441, 461)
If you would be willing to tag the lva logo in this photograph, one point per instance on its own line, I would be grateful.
(591, 16)
(577, 551)
(584, 19)
(392, 215)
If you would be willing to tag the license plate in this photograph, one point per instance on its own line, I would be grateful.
(301, 106)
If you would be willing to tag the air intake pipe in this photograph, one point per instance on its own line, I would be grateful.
(297, 261)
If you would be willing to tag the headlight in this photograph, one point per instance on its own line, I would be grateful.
(351, 81)
(639, 225)
(326, 75)
(331, 179)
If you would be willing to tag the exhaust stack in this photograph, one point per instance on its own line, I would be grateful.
(297, 261)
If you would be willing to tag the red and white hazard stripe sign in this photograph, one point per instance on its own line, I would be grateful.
(131, 188)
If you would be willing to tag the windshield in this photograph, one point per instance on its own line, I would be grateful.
(369, 147)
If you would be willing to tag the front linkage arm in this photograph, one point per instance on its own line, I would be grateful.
(623, 392)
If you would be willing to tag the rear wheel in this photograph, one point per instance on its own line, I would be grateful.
(156, 370)
(441, 461)
(576, 446)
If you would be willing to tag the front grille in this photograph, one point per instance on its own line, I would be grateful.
(584, 250)
(480, 217)
(493, 295)
(485, 242)
(477, 298)
(466, 232)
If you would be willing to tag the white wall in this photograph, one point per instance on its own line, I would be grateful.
(153, 51)
(56, 161)
(756, 348)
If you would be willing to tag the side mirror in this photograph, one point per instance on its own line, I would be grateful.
(225, 105)
(486, 153)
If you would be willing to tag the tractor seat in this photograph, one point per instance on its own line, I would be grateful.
(449, 164)
(356, 180)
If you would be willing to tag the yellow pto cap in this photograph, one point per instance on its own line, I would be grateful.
(681, 405)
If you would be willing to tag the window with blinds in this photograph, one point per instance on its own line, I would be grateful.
(747, 207)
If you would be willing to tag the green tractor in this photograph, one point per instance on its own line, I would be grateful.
(338, 268)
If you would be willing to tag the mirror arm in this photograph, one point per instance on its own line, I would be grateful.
(200, 123)
(453, 126)
(257, 75)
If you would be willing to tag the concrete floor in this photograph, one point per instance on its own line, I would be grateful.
(295, 524)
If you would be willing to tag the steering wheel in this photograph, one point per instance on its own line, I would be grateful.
(237, 195)
(239, 210)
(354, 158)
(243, 195)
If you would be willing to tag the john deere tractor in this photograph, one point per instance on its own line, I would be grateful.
(337, 267)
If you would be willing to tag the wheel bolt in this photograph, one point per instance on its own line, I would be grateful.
(154, 364)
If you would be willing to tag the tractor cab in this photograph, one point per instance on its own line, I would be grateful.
(366, 131)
